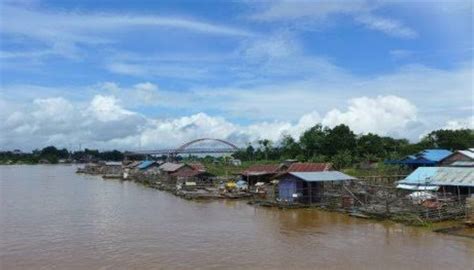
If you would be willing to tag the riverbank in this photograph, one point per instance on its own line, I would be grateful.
(338, 201)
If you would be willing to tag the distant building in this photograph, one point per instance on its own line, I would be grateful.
(112, 168)
(461, 155)
(170, 171)
(307, 187)
(149, 167)
(455, 180)
(425, 158)
(197, 166)
(309, 167)
(261, 173)
(265, 173)
(236, 162)
(182, 172)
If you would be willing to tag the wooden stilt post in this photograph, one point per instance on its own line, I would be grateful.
(459, 194)
(310, 192)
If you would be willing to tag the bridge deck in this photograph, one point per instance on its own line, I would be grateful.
(182, 151)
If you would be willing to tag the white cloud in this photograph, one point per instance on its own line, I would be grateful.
(62, 122)
(157, 69)
(304, 12)
(399, 54)
(64, 31)
(106, 108)
(286, 9)
(280, 45)
(460, 123)
(385, 115)
(104, 123)
(387, 26)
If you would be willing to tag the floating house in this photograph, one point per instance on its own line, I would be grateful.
(265, 173)
(170, 171)
(309, 167)
(197, 166)
(307, 187)
(112, 168)
(193, 177)
(182, 172)
(454, 180)
(425, 158)
(261, 173)
(458, 156)
(149, 167)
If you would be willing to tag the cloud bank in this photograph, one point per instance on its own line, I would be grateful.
(102, 122)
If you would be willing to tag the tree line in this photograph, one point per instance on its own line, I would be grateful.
(53, 155)
(341, 146)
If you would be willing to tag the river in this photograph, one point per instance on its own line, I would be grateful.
(51, 218)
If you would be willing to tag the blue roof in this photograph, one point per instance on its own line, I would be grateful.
(434, 154)
(420, 176)
(426, 157)
(145, 164)
(441, 176)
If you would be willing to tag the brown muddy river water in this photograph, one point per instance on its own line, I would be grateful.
(51, 218)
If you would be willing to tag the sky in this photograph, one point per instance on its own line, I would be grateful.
(151, 74)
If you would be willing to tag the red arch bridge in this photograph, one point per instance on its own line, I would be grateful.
(186, 149)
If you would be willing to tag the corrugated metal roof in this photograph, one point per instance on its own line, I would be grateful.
(309, 167)
(425, 157)
(186, 173)
(170, 167)
(322, 176)
(434, 154)
(454, 176)
(420, 176)
(145, 164)
(197, 166)
(467, 153)
(460, 163)
(261, 169)
(441, 176)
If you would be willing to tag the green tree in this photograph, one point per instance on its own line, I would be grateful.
(290, 149)
(265, 146)
(342, 159)
(52, 154)
(449, 139)
(370, 147)
(312, 140)
(338, 139)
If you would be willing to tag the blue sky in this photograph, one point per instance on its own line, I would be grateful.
(162, 72)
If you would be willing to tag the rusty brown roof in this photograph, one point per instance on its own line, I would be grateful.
(185, 173)
(309, 167)
(197, 166)
(261, 169)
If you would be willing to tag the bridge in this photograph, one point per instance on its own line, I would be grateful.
(185, 149)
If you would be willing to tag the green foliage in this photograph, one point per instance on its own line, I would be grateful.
(342, 147)
(449, 139)
(342, 159)
(339, 139)
(312, 140)
(338, 145)
(289, 147)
